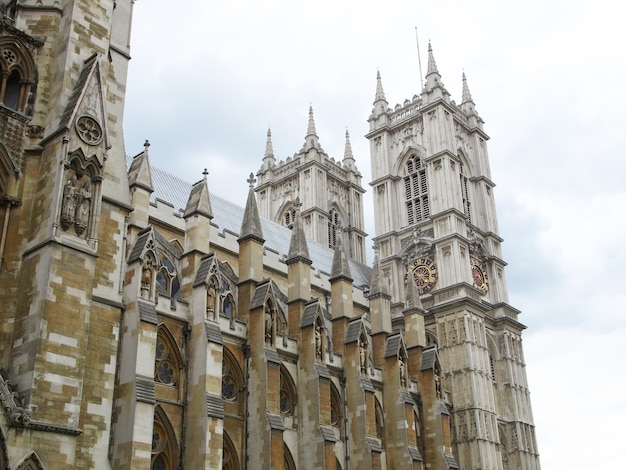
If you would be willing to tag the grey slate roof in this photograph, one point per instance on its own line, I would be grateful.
(147, 312)
(451, 461)
(271, 355)
(227, 216)
(353, 331)
(308, 316)
(142, 239)
(276, 421)
(322, 370)
(414, 453)
(213, 332)
(374, 443)
(429, 358)
(393, 344)
(145, 390)
(327, 433)
(214, 405)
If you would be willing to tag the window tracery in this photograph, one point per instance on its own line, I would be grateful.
(416, 190)
(467, 205)
(230, 461)
(336, 408)
(232, 378)
(334, 227)
(168, 283)
(167, 360)
(287, 393)
(17, 69)
(164, 446)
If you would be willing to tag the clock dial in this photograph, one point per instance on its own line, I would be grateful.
(424, 274)
(479, 277)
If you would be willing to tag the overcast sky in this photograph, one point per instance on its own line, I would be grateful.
(207, 79)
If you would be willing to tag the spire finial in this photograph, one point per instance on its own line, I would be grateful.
(380, 93)
(269, 148)
(347, 154)
(311, 131)
(432, 65)
(251, 180)
(467, 96)
(205, 173)
(146, 145)
(311, 140)
(297, 203)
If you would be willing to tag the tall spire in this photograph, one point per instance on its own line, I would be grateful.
(467, 105)
(348, 158)
(432, 65)
(412, 294)
(434, 88)
(269, 160)
(467, 96)
(251, 223)
(311, 140)
(380, 102)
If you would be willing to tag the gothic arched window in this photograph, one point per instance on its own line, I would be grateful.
(168, 283)
(232, 378)
(334, 223)
(168, 361)
(465, 193)
(287, 393)
(336, 408)
(164, 445)
(230, 461)
(17, 73)
(416, 190)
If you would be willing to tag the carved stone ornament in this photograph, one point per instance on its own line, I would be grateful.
(89, 130)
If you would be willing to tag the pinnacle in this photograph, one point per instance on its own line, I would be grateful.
(467, 96)
(347, 154)
(432, 65)
(269, 148)
(380, 93)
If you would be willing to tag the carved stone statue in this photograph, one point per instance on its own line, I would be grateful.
(402, 366)
(68, 206)
(83, 208)
(269, 325)
(146, 279)
(318, 341)
(362, 355)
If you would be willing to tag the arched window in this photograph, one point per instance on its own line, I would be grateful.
(465, 193)
(168, 361)
(228, 306)
(334, 224)
(380, 421)
(232, 378)
(17, 72)
(288, 462)
(288, 397)
(289, 217)
(168, 283)
(230, 461)
(164, 445)
(336, 408)
(416, 190)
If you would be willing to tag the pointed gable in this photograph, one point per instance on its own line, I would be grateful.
(199, 200)
(139, 173)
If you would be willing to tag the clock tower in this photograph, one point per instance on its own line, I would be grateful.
(436, 226)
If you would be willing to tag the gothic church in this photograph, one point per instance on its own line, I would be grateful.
(147, 323)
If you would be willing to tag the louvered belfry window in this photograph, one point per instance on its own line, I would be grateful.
(416, 191)
(467, 205)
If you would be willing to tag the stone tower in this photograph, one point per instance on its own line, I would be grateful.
(436, 227)
(64, 202)
(329, 192)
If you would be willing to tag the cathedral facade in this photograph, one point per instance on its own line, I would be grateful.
(147, 323)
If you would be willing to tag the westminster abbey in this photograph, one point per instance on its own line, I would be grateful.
(148, 323)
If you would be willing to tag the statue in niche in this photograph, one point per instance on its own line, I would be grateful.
(318, 341)
(83, 207)
(210, 302)
(269, 324)
(146, 278)
(402, 366)
(362, 355)
(68, 206)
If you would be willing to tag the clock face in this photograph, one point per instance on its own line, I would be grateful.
(425, 274)
(479, 277)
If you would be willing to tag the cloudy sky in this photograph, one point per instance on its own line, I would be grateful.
(208, 78)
